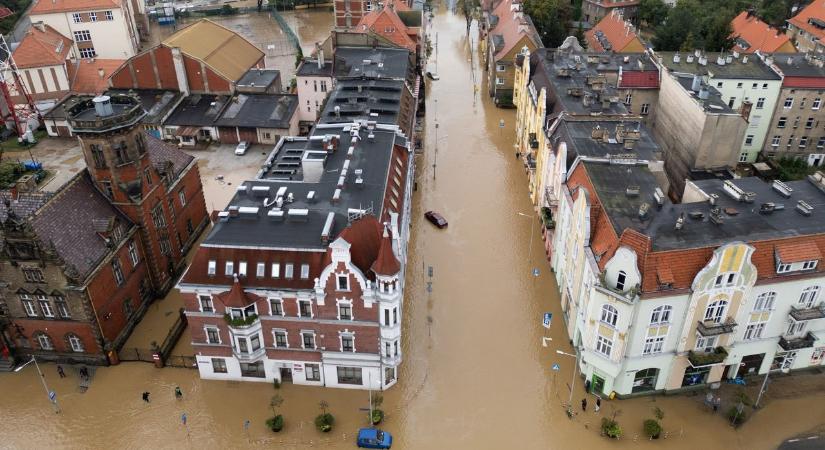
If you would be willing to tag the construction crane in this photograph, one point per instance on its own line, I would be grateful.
(21, 111)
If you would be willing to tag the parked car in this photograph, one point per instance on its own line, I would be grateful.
(433, 76)
(374, 438)
(436, 219)
(242, 147)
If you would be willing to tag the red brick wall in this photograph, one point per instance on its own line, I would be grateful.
(217, 84)
(193, 74)
(197, 273)
(57, 330)
(195, 209)
(166, 68)
(144, 71)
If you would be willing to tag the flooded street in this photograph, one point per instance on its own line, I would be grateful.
(475, 374)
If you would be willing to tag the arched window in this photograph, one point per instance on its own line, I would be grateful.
(661, 314)
(75, 343)
(44, 341)
(715, 311)
(620, 280)
(809, 296)
(765, 301)
(609, 315)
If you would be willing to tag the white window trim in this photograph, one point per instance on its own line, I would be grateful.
(211, 302)
(276, 270)
(206, 329)
(279, 300)
(314, 340)
(338, 277)
(242, 268)
(341, 336)
(344, 302)
(229, 268)
(304, 271)
(260, 270)
(599, 347)
(653, 340)
(706, 340)
(311, 309)
(289, 271)
(74, 339)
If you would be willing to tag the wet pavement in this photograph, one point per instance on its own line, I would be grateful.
(475, 375)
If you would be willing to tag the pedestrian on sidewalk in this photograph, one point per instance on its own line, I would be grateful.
(146, 396)
(584, 404)
(178, 393)
(61, 372)
(84, 373)
(598, 404)
(716, 403)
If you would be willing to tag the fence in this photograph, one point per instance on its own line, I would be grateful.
(186, 362)
(174, 334)
(287, 29)
(136, 354)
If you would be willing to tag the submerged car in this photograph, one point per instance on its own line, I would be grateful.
(374, 438)
(436, 219)
(433, 76)
(242, 148)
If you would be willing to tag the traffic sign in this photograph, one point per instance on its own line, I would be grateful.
(556, 367)
(548, 317)
(536, 272)
(52, 396)
(183, 418)
(430, 271)
(246, 424)
(501, 123)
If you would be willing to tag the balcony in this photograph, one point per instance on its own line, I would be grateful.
(711, 328)
(534, 143)
(802, 314)
(531, 161)
(241, 322)
(701, 359)
(550, 197)
(249, 356)
(789, 343)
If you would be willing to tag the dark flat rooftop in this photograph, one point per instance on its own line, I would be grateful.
(378, 100)
(259, 110)
(352, 62)
(259, 77)
(309, 68)
(198, 110)
(578, 133)
(753, 69)
(713, 103)
(298, 167)
(155, 102)
(796, 65)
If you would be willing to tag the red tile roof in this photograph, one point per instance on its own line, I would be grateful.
(512, 26)
(816, 10)
(364, 236)
(386, 23)
(38, 48)
(804, 82)
(237, 297)
(5, 12)
(615, 30)
(759, 35)
(86, 76)
(386, 263)
(55, 6)
(639, 79)
(798, 252)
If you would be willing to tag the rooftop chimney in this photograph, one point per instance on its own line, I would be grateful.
(697, 83)
(103, 106)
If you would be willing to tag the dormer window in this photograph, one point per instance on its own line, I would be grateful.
(620, 280)
(797, 257)
(211, 268)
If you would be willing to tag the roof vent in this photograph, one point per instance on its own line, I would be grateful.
(336, 196)
(804, 208)
(680, 222)
(327, 231)
(690, 59)
(677, 58)
(643, 210)
(767, 208)
(716, 215)
(713, 199)
(632, 190)
(782, 188)
(298, 214)
(233, 211)
(358, 179)
(696, 215)
(734, 191)
(223, 216)
(260, 191)
(659, 196)
(704, 93)
(103, 106)
(745, 60)
(720, 60)
(311, 196)
(248, 211)
(818, 180)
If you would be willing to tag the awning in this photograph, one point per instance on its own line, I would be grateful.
(187, 131)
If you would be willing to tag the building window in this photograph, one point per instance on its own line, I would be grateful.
(93, 16)
(345, 311)
(97, 156)
(62, 307)
(628, 98)
(764, 85)
(715, 311)
(255, 342)
(288, 269)
(775, 141)
(816, 104)
(781, 122)
(349, 375)
(308, 339)
(645, 109)
(795, 328)
(28, 305)
(106, 185)
(661, 315)
(82, 36)
(809, 296)
(725, 279)
(609, 315)
(760, 103)
(210, 270)
(88, 52)
(304, 309)
(304, 271)
(387, 317)
(276, 270)
(75, 343)
(803, 142)
(45, 306)
(387, 349)
(242, 268)
(165, 246)
(157, 216)
(788, 102)
(212, 335)
(348, 343)
(719, 84)
(280, 339)
(127, 307)
(783, 268)
(705, 344)
(754, 331)
(731, 101)
(743, 157)
(604, 345)
(218, 365)
(206, 303)
(45, 341)
(739, 85)
(821, 142)
(749, 139)
(276, 307)
(76, 18)
(807, 265)
(620, 280)
(230, 269)
(499, 81)
(323, 86)
(33, 275)
(653, 344)
(343, 282)
(809, 123)
(500, 68)
(802, 103)
(313, 372)
(109, 15)
(394, 316)
(117, 271)
(764, 302)
(133, 254)
(182, 197)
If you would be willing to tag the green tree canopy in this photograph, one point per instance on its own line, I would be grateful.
(551, 19)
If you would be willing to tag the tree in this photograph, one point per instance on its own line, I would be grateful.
(469, 10)
(653, 12)
(550, 17)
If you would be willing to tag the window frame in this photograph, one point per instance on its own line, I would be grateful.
(609, 315)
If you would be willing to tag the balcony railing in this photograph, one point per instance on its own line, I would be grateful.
(699, 359)
(711, 328)
(550, 196)
(795, 343)
(241, 322)
(801, 314)
(249, 356)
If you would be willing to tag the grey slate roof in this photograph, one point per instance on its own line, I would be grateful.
(796, 65)
(259, 110)
(753, 69)
(160, 152)
(24, 206)
(198, 110)
(68, 221)
(713, 103)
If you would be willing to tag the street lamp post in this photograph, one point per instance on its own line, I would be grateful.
(573, 381)
(765, 384)
(42, 380)
(532, 232)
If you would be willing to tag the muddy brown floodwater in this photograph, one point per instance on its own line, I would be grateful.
(475, 375)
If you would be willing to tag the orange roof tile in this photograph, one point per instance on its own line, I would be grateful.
(56, 6)
(385, 22)
(758, 34)
(615, 30)
(38, 48)
(798, 252)
(364, 236)
(816, 11)
(236, 297)
(86, 77)
(386, 263)
(512, 26)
